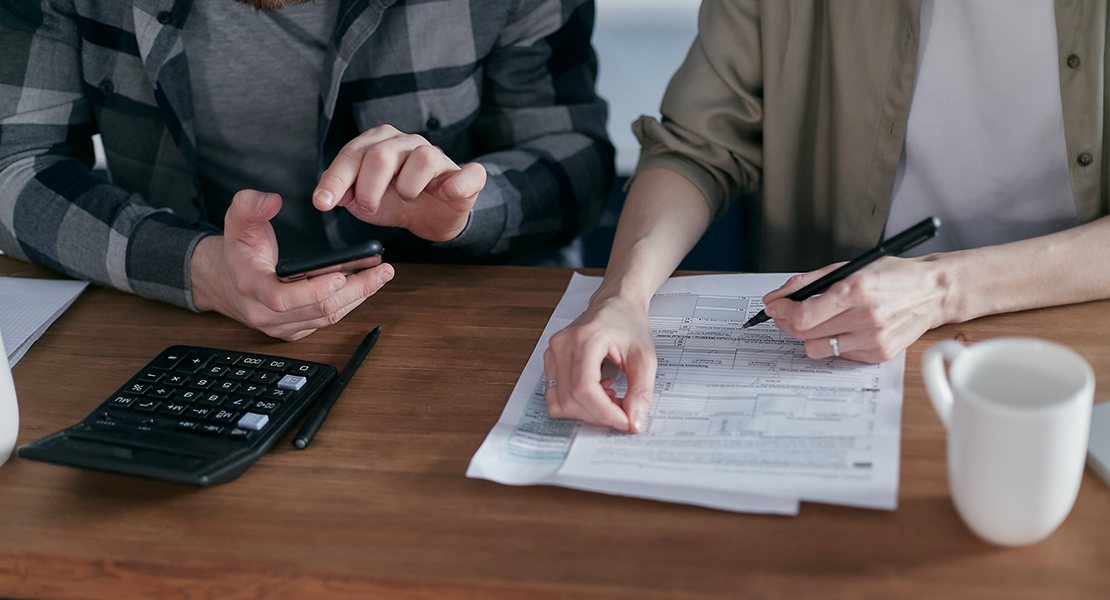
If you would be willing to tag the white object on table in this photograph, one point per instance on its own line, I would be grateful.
(29, 306)
(9, 409)
(1018, 412)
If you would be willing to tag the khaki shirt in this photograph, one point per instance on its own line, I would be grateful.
(811, 99)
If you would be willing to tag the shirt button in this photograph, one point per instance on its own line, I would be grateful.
(1073, 61)
(433, 123)
(165, 17)
(1085, 159)
(107, 87)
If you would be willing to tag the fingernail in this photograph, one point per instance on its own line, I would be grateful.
(638, 420)
(337, 284)
(325, 197)
(260, 203)
(385, 277)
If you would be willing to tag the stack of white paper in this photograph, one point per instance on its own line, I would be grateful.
(29, 306)
(741, 420)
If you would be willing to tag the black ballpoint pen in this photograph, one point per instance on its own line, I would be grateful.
(320, 412)
(891, 247)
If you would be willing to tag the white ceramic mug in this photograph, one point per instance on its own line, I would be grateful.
(1018, 413)
(9, 410)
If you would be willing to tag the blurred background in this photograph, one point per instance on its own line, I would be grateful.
(640, 44)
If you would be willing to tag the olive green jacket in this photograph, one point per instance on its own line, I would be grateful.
(810, 98)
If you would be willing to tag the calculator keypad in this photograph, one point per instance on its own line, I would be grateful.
(206, 392)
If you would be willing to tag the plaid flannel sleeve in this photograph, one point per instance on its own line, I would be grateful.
(53, 211)
(540, 135)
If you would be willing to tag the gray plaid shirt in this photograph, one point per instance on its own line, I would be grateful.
(509, 83)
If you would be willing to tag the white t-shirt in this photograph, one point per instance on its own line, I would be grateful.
(985, 146)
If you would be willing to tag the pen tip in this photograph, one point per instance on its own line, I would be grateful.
(299, 443)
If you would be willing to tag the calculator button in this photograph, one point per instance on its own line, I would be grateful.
(276, 365)
(209, 429)
(150, 377)
(199, 412)
(215, 370)
(187, 396)
(292, 382)
(226, 358)
(252, 390)
(121, 401)
(175, 379)
(224, 416)
(211, 399)
(227, 387)
(303, 369)
(146, 405)
(253, 421)
(166, 361)
(239, 403)
(194, 361)
(118, 426)
(161, 392)
(138, 388)
(252, 361)
(266, 377)
(174, 409)
(186, 425)
(238, 434)
(240, 374)
(279, 394)
(264, 406)
(202, 383)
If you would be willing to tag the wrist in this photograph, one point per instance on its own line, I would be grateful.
(202, 267)
(945, 275)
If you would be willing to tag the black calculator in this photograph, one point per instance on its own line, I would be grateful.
(193, 415)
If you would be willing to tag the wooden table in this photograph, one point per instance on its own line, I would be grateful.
(378, 507)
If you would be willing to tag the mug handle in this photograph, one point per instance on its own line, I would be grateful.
(936, 381)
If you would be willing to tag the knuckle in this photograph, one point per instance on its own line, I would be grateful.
(559, 340)
(377, 154)
(273, 300)
(351, 152)
(261, 320)
(556, 410)
(875, 317)
(423, 158)
(416, 138)
(382, 129)
(334, 317)
(328, 306)
(580, 389)
(803, 318)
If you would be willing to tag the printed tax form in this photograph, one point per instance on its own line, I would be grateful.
(740, 420)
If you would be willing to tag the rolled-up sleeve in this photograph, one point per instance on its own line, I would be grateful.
(711, 130)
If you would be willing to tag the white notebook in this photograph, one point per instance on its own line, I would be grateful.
(29, 306)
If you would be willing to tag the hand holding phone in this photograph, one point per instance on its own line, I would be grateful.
(351, 259)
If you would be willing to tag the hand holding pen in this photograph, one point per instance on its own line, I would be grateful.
(870, 317)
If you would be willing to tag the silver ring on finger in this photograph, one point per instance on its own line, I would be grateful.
(835, 346)
(552, 383)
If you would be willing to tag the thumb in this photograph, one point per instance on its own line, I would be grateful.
(250, 213)
(640, 370)
(464, 183)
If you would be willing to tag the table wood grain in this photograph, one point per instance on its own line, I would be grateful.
(379, 507)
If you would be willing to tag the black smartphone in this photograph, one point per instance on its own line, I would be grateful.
(351, 259)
